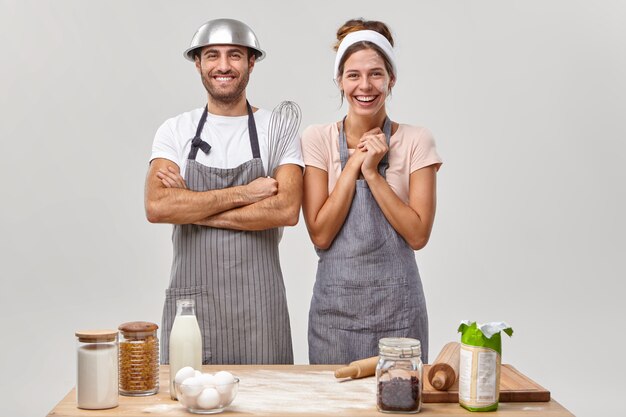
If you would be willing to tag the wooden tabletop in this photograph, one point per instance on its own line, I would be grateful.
(292, 390)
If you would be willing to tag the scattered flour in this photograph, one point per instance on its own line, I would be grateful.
(263, 392)
(162, 408)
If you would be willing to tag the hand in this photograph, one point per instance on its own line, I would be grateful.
(356, 160)
(262, 188)
(171, 178)
(374, 143)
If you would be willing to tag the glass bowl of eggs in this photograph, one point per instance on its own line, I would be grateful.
(206, 393)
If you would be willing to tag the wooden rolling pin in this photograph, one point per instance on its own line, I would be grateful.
(358, 369)
(444, 371)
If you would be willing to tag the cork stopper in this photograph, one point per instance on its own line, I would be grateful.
(91, 336)
(138, 329)
(138, 326)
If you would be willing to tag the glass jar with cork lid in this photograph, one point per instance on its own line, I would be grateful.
(96, 369)
(139, 359)
(399, 375)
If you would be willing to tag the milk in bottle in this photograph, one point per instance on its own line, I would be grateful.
(185, 341)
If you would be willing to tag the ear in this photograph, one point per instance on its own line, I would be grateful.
(392, 82)
(251, 62)
(196, 60)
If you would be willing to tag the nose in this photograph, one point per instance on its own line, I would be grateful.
(364, 83)
(223, 65)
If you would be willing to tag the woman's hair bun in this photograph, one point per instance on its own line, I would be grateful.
(354, 25)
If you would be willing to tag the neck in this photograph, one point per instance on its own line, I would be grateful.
(357, 125)
(235, 108)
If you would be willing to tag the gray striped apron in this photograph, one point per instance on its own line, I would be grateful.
(367, 285)
(233, 276)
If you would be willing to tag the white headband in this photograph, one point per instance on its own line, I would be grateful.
(368, 36)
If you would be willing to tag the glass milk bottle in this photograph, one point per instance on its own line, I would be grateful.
(185, 341)
(96, 369)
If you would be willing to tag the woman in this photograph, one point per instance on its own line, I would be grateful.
(369, 203)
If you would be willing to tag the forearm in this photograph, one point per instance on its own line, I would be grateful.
(282, 209)
(413, 227)
(266, 214)
(324, 226)
(182, 206)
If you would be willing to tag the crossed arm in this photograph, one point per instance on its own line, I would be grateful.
(262, 204)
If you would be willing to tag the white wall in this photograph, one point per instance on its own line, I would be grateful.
(524, 99)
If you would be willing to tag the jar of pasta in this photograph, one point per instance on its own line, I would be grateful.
(138, 359)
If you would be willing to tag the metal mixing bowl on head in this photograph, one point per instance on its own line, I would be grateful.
(224, 32)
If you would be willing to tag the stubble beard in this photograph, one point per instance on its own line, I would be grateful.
(226, 97)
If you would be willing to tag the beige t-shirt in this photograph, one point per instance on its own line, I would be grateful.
(410, 148)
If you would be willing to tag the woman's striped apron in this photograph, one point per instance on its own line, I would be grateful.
(367, 285)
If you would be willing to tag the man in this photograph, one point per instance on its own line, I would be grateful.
(208, 177)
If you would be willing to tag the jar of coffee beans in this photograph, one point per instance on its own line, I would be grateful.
(399, 375)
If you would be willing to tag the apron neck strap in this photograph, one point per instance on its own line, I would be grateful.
(254, 137)
(198, 143)
(343, 146)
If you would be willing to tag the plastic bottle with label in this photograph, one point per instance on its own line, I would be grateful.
(185, 341)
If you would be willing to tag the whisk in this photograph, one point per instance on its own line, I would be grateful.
(283, 129)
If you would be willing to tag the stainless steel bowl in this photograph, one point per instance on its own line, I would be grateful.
(225, 32)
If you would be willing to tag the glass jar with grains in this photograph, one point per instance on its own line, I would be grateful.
(138, 359)
(399, 375)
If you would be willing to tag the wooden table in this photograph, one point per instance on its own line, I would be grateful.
(292, 390)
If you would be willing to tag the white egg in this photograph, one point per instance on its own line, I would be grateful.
(224, 383)
(184, 373)
(224, 390)
(227, 393)
(207, 380)
(209, 398)
(190, 401)
(224, 377)
(191, 387)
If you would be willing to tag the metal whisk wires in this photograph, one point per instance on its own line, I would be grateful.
(283, 129)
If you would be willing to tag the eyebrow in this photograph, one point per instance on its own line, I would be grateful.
(369, 70)
(228, 51)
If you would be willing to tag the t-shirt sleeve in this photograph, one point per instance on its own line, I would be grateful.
(313, 150)
(293, 154)
(165, 145)
(424, 151)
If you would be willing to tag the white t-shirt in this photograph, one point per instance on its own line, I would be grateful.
(228, 137)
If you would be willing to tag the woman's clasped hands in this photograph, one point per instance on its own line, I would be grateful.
(370, 150)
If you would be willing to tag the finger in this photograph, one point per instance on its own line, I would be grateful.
(175, 176)
(374, 146)
(179, 181)
(379, 138)
(374, 131)
(381, 143)
(166, 183)
(172, 173)
(172, 181)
